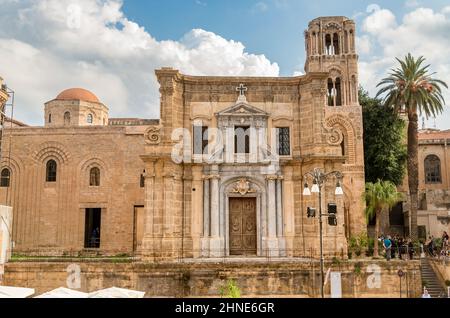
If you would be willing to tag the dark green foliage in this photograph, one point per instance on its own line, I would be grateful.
(385, 151)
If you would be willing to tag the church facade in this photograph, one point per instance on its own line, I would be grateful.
(220, 174)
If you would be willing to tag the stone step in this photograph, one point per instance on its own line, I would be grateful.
(433, 284)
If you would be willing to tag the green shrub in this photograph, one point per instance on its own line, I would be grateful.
(336, 261)
(358, 244)
(357, 269)
(231, 290)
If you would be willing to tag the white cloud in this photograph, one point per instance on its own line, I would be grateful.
(379, 21)
(363, 44)
(422, 32)
(50, 45)
(260, 7)
(201, 3)
(412, 3)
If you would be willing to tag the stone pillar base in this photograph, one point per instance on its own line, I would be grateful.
(271, 247)
(216, 247)
(162, 249)
(204, 246)
(282, 247)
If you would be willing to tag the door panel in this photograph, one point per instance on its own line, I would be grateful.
(243, 226)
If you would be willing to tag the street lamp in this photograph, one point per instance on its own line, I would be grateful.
(319, 178)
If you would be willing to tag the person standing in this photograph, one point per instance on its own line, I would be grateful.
(426, 294)
(430, 247)
(445, 239)
(387, 244)
(394, 248)
(410, 249)
(401, 247)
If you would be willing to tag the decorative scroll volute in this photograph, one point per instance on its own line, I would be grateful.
(153, 135)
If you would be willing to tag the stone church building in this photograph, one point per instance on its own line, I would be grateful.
(220, 174)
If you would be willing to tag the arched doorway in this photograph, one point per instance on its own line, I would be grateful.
(243, 231)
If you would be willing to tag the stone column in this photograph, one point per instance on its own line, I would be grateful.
(206, 217)
(216, 241)
(151, 241)
(215, 217)
(271, 241)
(271, 215)
(279, 207)
(206, 202)
(280, 218)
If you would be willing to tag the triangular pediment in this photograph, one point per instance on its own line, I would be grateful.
(242, 109)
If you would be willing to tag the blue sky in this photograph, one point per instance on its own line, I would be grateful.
(112, 47)
(273, 27)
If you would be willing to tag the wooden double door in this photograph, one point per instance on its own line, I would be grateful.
(243, 227)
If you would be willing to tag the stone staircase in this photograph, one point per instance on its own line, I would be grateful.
(431, 280)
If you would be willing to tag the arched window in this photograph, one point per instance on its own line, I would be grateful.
(51, 171)
(337, 86)
(334, 92)
(328, 45)
(5, 178)
(49, 118)
(433, 169)
(142, 181)
(353, 93)
(343, 146)
(94, 177)
(330, 92)
(345, 48)
(90, 119)
(352, 42)
(336, 49)
(66, 118)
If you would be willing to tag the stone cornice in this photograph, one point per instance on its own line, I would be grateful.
(274, 81)
(155, 157)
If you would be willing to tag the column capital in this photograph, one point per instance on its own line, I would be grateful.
(211, 177)
(272, 177)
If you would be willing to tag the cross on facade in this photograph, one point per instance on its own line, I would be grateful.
(241, 89)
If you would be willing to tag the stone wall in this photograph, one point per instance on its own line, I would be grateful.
(442, 269)
(49, 218)
(377, 279)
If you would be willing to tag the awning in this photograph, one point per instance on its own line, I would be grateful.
(63, 293)
(15, 292)
(115, 292)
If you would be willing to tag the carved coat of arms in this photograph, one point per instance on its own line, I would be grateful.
(243, 187)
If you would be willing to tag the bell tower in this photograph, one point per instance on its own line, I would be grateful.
(330, 47)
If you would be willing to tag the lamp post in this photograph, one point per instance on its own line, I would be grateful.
(319, 178)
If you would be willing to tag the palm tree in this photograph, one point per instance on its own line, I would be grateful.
(412, 89)
(380, 197)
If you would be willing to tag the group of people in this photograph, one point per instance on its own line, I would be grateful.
(403, 248)
(432, 248)
(398, 246)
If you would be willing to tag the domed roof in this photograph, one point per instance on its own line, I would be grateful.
(78, 94)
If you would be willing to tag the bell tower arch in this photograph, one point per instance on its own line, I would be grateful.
(330, 47)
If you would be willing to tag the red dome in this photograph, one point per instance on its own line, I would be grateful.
(78, 94)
